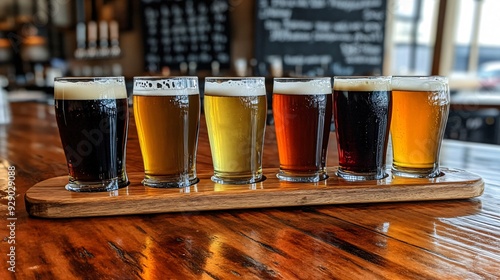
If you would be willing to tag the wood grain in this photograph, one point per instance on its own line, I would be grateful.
(49, 199)
(443, 239)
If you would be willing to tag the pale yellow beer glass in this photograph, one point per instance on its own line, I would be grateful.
(167, 116)
(235, 111)
(420, 107)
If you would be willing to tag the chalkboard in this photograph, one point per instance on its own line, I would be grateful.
(321, 37)
(185, 31)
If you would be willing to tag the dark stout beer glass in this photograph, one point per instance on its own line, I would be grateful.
(362, 113)
(302, 109)
(167, 116)
(92, 117)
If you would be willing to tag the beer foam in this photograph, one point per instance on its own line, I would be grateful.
(166, 92)
(361, 84)
(166, 86)
(419, 84)
(89, 90)
(307, 87)
(236, 87)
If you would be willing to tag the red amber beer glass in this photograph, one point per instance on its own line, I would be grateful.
(302, 110)
(236, 111)
(92, 116)
(167, 116)
(362, 113)
(420, 112)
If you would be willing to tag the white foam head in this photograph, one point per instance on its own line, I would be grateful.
(302, 86)
(89, 88)
(362, 83)
(157, 86)
(431, 83)
(235, 86)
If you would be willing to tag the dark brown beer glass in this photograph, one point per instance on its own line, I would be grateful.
(362, 113)
(92, 117)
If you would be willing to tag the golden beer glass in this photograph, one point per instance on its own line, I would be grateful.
(167, 116)
(419, 114)
(236, 111)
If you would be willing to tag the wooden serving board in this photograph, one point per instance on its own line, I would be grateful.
(49, 199)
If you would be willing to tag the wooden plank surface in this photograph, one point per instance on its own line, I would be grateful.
(445, 239)
(50, 199)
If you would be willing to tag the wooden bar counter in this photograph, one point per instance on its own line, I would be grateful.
(446, 239)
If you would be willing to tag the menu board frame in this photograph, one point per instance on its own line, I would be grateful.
(192, 31)
(321, 37)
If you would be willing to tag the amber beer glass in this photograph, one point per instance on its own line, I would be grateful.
(362, 113)
(235, 111)
(420, 111)
(167, 116)
(92, 116)
(302, 110)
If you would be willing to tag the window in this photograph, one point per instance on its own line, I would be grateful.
(413, 36)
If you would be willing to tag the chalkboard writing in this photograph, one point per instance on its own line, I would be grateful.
(190, 31)
(322, 37)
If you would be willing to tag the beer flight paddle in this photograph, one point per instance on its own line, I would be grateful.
(235, 111)
(49, 199)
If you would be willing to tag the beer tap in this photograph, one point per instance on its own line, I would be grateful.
(92, 39)
(215, 68)
(192, 68)
(253, 66)
(240, 66)
(183, 68)
(114, 35)
(276, 66)
(298, 70)
(104, 50)
(80, 40)
(81, 30)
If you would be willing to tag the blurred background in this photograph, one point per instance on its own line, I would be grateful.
(43, 39)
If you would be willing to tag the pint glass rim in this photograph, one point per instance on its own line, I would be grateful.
(302, 85)
(89, 79)
(363, 77)
(420, 77)
(425, 83)
(300, 79)
(235, 86)
(227, 78)
(155, 78)
(355, 83)
(179, 85)
(90, 88)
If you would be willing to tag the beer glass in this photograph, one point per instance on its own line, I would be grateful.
(167, 116)
(92, 117)
(236, 111)
(362, 113)
(420, 111)
(302, 110)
